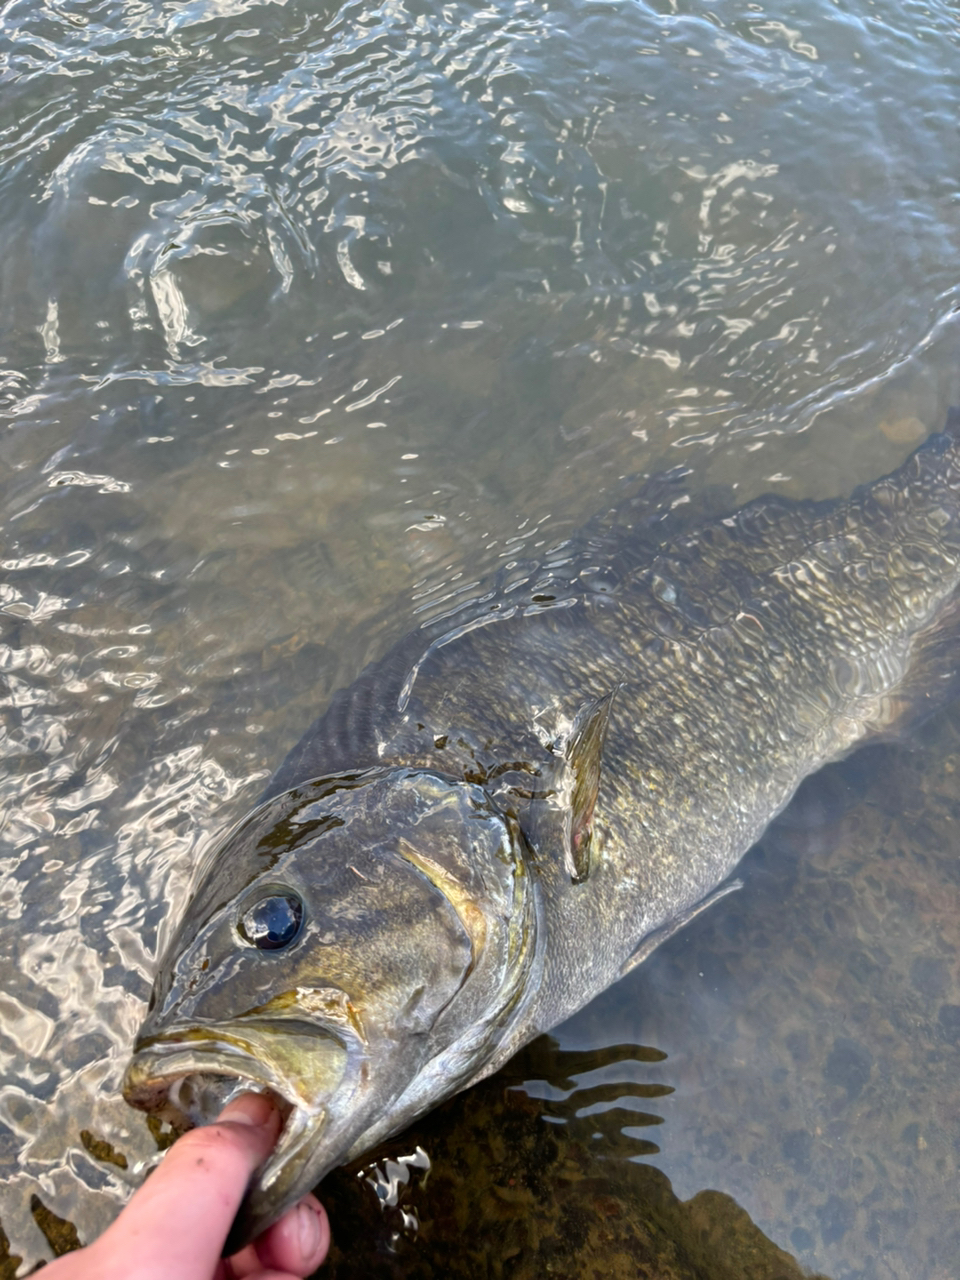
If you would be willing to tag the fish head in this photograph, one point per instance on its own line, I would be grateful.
(357, 947)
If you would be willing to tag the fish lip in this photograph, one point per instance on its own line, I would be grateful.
(160, 1062)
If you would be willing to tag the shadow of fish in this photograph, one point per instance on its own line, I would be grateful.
(522, 799)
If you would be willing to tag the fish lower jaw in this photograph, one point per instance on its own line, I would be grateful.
(196, 1097)
(327, 1101)
(188, 1084)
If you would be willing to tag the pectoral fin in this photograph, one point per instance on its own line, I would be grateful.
(555, 802)
(584, 754)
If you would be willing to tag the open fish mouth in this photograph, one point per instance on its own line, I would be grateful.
(187, 1080)
(202, 1096)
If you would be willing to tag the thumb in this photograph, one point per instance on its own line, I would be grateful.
(177, 1222)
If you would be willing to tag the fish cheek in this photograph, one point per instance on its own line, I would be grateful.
(445, 955)
(399, 967)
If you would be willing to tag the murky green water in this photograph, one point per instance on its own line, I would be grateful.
(310, 316)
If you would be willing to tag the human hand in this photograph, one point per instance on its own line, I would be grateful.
(175, 1226)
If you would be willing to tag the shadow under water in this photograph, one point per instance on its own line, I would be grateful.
(499, 1182)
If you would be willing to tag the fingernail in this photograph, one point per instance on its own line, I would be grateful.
(308, 1231)
(254, 1109)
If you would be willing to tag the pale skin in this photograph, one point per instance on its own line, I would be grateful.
(175, 1225)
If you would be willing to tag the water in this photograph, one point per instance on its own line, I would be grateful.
(310, 316)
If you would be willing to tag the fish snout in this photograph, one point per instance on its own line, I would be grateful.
(321, 1081)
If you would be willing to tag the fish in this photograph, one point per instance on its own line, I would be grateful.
(525, 796)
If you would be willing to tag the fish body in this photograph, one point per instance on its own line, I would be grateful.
(511, 808)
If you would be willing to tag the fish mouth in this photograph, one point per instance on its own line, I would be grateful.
(187, 1077)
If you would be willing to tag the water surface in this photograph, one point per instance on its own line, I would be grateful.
(310, 316)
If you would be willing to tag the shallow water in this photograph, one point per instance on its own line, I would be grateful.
(310, 316)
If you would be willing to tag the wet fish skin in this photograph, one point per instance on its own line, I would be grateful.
(588, 761)
(748, 653)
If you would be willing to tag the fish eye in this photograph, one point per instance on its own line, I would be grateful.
(273, 922)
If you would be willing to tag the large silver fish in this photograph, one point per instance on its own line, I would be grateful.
(521, 800)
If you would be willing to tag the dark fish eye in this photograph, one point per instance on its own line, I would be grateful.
(273, 922)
